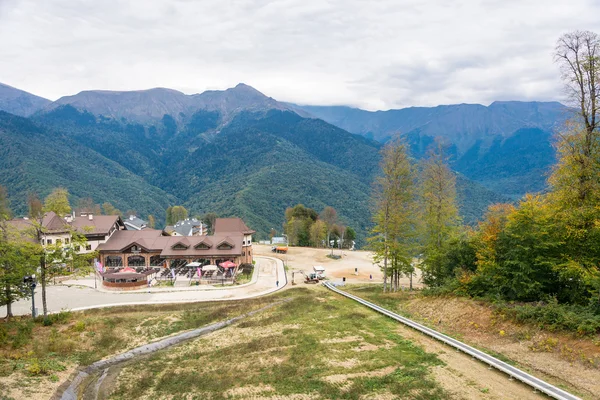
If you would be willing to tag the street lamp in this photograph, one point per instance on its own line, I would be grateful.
(30, 280)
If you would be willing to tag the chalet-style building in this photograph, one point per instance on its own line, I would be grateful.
(97, 229)
(148, 248)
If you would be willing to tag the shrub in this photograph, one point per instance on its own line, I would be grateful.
(79, 326)
(584, 320)
(23, 335)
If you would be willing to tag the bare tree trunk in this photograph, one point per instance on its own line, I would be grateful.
(410, 284)
(385, 262)
(9, 313)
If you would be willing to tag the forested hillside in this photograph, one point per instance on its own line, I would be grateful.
(506, 147)
(240, 153)
(35, 159)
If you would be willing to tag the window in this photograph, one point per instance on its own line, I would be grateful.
(78, 248)
(67, 241)
(225, 246)
(58, 241)
(88, 246)
(202, 246)
(43, 242)
(179, 246)
(49, 241)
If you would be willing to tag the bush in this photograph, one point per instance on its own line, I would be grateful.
(23, 335)
(584, 320)
(79, 326)
(60, 318)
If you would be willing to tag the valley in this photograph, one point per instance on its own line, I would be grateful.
(240, 153)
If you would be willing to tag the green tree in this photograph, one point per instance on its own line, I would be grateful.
(169, 215)
(58, 202)
(350, 236)
(394, 216)
(209, 219)
(176, 214)
(299, 220)
(18, 258)
(151, 221)
(440, 220)
(575, 181)
(109, 209)
(318, 233)
(330, 218)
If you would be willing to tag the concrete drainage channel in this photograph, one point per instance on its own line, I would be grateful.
(512, 372)
(88, 382)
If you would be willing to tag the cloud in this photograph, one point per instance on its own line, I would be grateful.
(375, 55)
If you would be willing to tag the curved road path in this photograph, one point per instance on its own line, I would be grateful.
(74, 298)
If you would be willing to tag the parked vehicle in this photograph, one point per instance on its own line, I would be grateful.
(279, 249)
(319, 271)
(311, 278)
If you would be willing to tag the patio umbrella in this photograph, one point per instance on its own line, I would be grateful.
(127, 269)
(228, 264)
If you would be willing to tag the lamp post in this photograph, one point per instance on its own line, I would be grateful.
(30, 280)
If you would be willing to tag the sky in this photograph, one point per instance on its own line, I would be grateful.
(370, 54)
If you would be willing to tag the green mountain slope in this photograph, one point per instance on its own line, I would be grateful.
(234, 152)
(36, 159)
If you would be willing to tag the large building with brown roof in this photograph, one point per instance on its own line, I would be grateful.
(231, 241)
(97, 229)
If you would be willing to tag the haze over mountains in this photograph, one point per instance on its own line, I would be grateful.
(239, 152)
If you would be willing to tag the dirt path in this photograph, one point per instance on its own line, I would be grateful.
(467, 378)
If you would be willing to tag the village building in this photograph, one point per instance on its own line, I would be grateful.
(97, 229)
(150, 248)
(134, 223)
(187, 227)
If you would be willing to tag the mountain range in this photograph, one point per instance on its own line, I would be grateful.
(239, 152)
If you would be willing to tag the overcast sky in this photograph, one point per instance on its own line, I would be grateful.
(376, 54)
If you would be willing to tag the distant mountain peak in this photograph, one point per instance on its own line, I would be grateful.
(19, 102)
(150, 105)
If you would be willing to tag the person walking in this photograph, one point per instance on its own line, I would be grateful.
(370, 277)
(277, 283)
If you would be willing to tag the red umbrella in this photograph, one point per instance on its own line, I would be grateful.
(228, 264)
(127, 269)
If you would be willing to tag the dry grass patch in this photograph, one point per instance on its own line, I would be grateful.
(292, 351)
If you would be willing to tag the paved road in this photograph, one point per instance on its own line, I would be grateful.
(270, 270)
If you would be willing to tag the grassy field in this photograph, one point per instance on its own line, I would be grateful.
(35, 358)
(318, 345)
